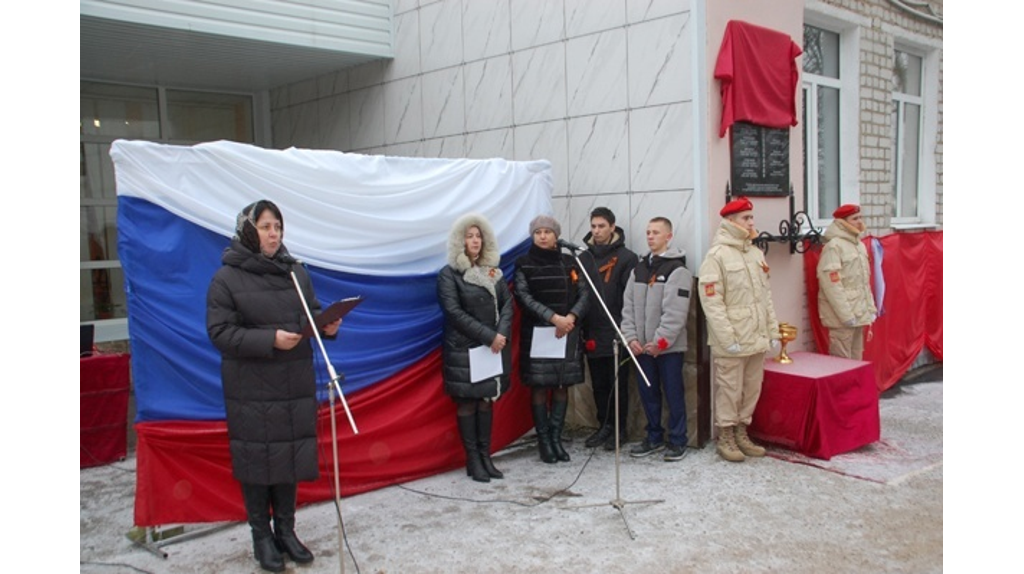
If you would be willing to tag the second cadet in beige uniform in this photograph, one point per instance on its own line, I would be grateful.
(845, 302)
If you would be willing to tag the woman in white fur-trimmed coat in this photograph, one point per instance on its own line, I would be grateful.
(477, 308)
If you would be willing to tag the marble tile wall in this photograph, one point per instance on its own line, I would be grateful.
(600, 88)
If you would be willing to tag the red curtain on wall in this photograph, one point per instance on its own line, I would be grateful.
(407, 431)
(911, 319)
(758, 75)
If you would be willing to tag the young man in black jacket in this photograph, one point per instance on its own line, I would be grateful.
(608, 263)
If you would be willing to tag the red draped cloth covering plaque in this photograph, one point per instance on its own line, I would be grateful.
(758, 76)
(103, 400)
(818, 405)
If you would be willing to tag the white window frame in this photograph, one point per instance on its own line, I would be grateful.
(847, 25)
(811, 83)
(928, 50)
(117, 329)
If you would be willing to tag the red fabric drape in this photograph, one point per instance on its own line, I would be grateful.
(757, 70)
(818, 405)
(407, 430)
(103, 388)
(912, 318)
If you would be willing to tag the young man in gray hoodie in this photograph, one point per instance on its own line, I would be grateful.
(655, 306)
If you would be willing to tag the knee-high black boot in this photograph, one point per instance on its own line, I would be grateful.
(540, 422)
(484, 420)
(282, 496)
(474, 466)
(257, 509)
(558, 409)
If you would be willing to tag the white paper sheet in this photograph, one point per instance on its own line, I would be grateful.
(483, 364)
(545, 345)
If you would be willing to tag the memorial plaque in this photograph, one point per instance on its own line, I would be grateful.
(760, 160)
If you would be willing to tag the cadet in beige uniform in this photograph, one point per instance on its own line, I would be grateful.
(737, 301)
(845, 302)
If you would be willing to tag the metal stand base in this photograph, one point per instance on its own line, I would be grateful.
(618, 503)
(152, 539)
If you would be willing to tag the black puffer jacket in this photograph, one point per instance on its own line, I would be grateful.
(608, 267)
(477, 307)
(548, 283)
(269, 394)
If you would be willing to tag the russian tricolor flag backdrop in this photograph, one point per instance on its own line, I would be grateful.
(364, 225)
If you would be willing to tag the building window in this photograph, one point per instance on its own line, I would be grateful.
(821, 120)
(203, 116)
(109, 112)
(907, 113)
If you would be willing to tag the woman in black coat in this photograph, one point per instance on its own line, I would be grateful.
(552, 293)
(477, 309)
(253, 317)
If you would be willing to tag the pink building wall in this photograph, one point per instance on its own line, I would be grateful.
(788, 289)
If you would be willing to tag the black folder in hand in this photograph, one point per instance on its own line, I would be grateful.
(335, 311)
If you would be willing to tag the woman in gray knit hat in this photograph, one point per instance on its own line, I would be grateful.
(552, 294)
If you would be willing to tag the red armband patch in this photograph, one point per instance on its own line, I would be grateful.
(709, 290)
(833, 276)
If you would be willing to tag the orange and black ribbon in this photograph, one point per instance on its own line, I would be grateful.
(607, 268)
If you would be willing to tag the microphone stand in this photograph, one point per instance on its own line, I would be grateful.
(617, 503)
(334, 386)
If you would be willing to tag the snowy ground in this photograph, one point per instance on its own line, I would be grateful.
(700, 514)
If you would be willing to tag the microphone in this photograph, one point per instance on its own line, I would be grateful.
(569, 245)
(287, 259)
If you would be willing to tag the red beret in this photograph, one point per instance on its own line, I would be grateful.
(844, 211)
(735, 206)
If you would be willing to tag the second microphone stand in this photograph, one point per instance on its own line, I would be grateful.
(334, 387)
(617, 503)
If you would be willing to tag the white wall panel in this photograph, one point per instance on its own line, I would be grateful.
(346, 25)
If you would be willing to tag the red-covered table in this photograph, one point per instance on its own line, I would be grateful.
(103, 398)
(818, 405)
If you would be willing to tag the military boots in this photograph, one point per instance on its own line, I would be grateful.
(727, 448)
(747, 446)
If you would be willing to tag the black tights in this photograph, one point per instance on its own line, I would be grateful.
(469, 407)
(539, 395)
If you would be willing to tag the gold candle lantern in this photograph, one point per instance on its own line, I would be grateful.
(787, 333)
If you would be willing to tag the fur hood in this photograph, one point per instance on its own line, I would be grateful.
(490, 255)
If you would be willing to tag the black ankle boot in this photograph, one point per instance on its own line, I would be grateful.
(282, 497)
(599, 437)
(267, 554)
(290, 544)
(610, 443)
(483, 442)
(540, 422)
(474, 466)
(558, 409)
